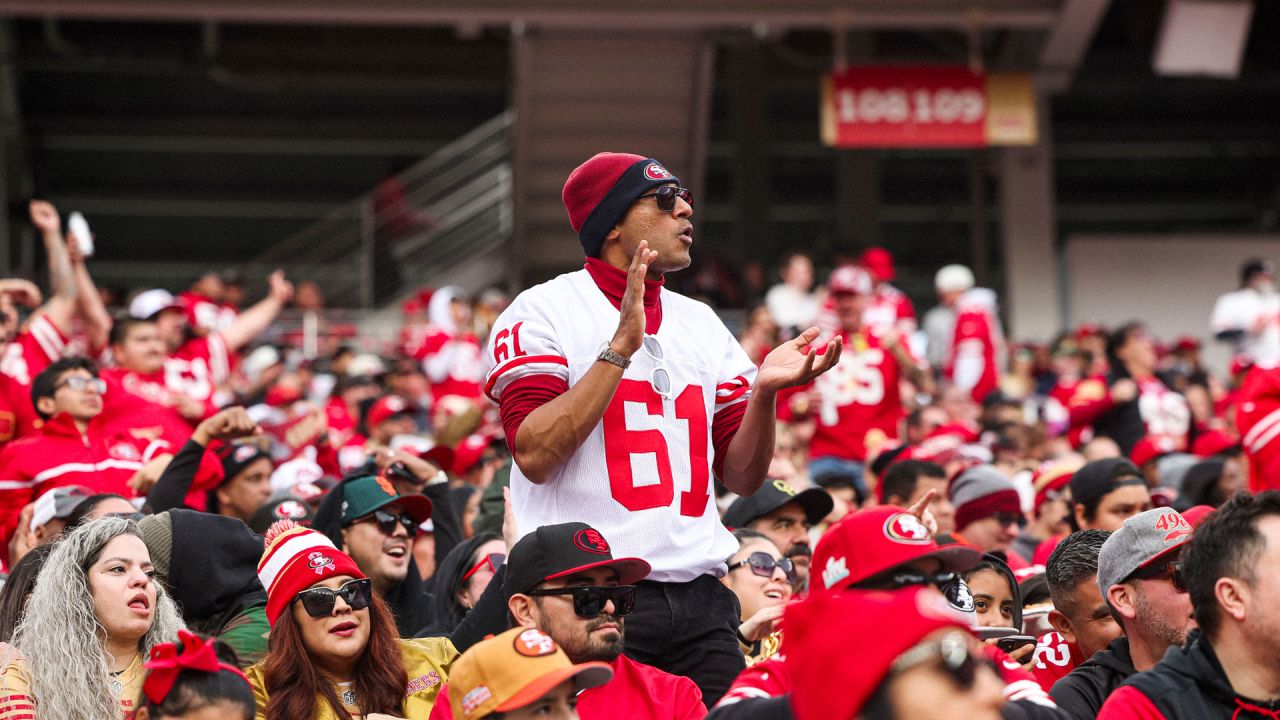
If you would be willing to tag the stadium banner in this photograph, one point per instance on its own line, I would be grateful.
(927, 106)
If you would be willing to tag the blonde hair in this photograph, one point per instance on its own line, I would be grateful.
(61, 640)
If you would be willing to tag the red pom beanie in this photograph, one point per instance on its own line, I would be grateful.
(599, 191)
(295, 559)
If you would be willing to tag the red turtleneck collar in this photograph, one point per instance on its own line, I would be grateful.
(613, 283)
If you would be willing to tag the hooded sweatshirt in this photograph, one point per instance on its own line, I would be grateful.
(1082, 692)
(1188, 683)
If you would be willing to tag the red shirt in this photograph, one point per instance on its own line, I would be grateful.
(33, 350)
(858, 399)
(635, 691)
(1128, 703)
(976, 345)
(454, 364)
(1258, 419)
(57, 455)
(890, 309)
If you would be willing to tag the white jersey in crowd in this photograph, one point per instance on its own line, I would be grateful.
(1257, 315)
(643, 476)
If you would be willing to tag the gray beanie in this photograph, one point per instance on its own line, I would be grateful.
(980, 492)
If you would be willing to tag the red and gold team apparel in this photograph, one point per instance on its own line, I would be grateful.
(25, 357)
(16, 702)
(643, 475)
(149, 401)
(858, 399)
(1054, 659)
(453, 363)
(977, 345)
(1258, 418)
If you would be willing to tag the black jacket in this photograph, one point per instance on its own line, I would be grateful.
(1190, 683)
(1081, 693)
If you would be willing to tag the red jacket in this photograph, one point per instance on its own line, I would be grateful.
(58, 454)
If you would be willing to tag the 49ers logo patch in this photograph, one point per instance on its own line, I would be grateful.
(654, 171)
(906, 528)
(534, 643)
(1174, 525)
(320, 562)
(591, 541)
(290, 510)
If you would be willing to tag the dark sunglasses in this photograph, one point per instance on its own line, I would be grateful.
(952, 653)
(1171, 571)
(319, 602)
(1006, 519)
(387, 522)
(589, 601)
(666, 197)
(763, 564)
(492, 560)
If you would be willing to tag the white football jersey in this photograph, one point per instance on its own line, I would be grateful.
(643, 477)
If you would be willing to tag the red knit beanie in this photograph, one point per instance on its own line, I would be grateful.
(599, 191)
(295, 559)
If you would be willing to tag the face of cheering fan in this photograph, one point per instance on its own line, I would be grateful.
(124, 593)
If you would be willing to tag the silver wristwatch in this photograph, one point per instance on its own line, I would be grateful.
(609, 356)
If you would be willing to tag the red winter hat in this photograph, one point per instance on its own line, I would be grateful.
(849, 641)
(599, 191)
(295, 559)
(869, 542)
(878, 262)
(1052, 477)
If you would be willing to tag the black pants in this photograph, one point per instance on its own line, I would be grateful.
(688, 629)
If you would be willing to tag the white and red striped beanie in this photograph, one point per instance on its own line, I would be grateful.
(295, 559)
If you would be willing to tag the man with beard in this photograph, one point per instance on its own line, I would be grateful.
(563, 580)
(1228, 667)
(1136, 577)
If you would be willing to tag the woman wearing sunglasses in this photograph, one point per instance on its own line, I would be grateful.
(880, 655)
(461, 579)
(761, 578)
(93, 617)
(334, 652)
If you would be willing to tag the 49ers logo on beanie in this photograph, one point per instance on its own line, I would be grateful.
(320, 562)
(591, 541)
(907, 528)
(654, 171)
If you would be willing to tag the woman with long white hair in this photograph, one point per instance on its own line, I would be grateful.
(92, 620)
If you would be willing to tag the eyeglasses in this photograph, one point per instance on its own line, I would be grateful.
(1171, 571)
(387, 522)
(78, 382)
(951, 649)
(660, 379)
(763, 564)
(319, 602)
(589, 600)
(493, 560)
(666, 196)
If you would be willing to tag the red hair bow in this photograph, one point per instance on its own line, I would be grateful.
(166, 664)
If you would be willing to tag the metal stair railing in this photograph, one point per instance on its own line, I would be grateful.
(453, 205)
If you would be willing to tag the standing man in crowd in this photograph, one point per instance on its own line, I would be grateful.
(1229, 668)
(620, 398)
(1136, 576)
(859, 406)
(890, 308)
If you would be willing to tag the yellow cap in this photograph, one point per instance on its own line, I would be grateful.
(511, 670)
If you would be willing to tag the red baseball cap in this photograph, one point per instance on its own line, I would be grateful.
(849, 279)
(1150, 448)
(840, 648)
(869, 542)
(1196, 514)
(878, 262)
(469, 452)
(1214, 442)
(387, 407)
(1052, 477)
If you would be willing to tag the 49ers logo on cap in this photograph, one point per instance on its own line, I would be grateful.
(534, 643)
(591, 541)
(906, 528)
(1176, 525)
(654, 171)
(290, 510)
(320, 562)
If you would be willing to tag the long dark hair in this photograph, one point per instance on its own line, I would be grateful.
(296, 685)
(447, 610)
(13, 598)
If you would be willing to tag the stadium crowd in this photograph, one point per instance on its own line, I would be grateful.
(593, 500)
